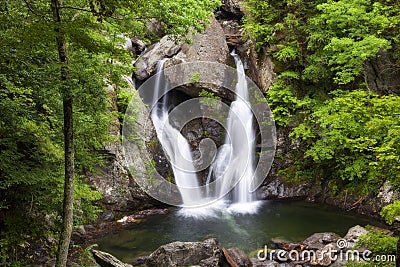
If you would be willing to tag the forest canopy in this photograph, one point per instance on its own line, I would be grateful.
(65, 53)
(325, 93)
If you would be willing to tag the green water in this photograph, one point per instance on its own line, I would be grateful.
(292, 221)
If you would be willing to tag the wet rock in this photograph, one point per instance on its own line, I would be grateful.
(231, 27)
(354, 233)
(377, 76)
(79, 234)
(282, 244)
(277, 189)
(318, 240)
(387, 194)
(146, 64)
(210, 262)
(338, 263)
(140, 261)
(138, 216)
(184, 253)
(325, 255)
(267, 263)
(233, 7)
(105, 259)
(236, 257)
(138, 46)
(106, 216)
(280, 255)
(208, 46)
(118, 186)
(259, 65)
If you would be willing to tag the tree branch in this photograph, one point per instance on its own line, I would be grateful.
(88, 10)
(76, 8)
(31, 9)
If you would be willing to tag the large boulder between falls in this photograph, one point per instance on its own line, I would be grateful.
(208, 46)
(185, 254)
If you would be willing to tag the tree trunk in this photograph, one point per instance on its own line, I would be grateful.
(66, 231)
(398, 252)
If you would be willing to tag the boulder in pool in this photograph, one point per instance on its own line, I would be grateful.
(185, 253)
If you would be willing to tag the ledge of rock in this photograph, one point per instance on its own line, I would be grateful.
(231, 8)
(278, 189)
(105, 259)
(146, 64)
(209, 46)
(186, 253)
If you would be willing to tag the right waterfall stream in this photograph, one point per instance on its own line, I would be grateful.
(235, 159)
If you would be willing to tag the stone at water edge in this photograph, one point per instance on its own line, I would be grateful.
(319, 240)
(324, 256)
(283, 244)
(236, 256)
(105, 259)
(353, 234)
(268, 263)
(179, 254)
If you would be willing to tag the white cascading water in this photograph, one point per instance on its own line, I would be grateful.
(234, 161)
(175, 146)
(243, 139)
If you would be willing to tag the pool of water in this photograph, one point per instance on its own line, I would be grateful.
(292, 221)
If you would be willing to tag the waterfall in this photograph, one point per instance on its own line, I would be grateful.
(233, 165)
(243, 138)
(175, 146)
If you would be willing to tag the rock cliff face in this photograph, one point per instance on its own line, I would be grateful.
(381, 76)
(117, 184)
(223, 34)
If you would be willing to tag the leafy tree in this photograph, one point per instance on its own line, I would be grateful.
(348, 136)
(343, 36)
(355, 138)
(55, 65)
(391, 214)
(391, 211)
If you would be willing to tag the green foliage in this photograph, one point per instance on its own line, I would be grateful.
(381, 245)
(378, 242)
(327, 41)
(344, 35)
(391, 211)
(351, 136)
(209, 99)
(195, 78)
(282, 99)
(124, 97)
(31, 139)
(348, 138)
(205, 93)
(346, 57)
